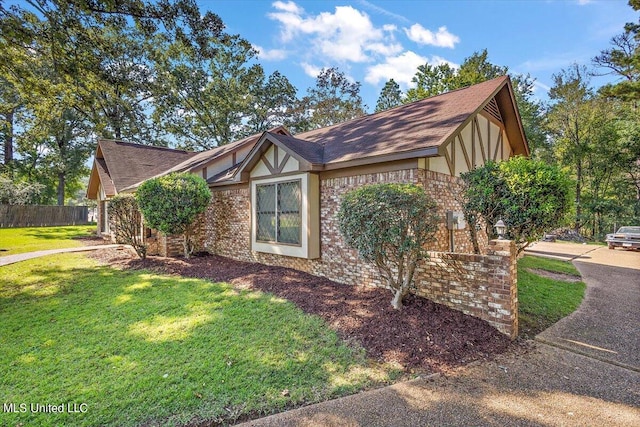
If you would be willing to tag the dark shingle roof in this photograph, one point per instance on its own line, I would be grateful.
(121, 164)
(131, 163)
(419, 125)
(416, 129)
(312, 152)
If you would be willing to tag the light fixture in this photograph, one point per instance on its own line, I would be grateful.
(501, 229)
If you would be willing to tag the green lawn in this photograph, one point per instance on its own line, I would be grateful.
(141, 348)
(29, 239)
(543, 301)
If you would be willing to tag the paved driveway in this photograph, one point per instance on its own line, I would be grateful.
(606, 325)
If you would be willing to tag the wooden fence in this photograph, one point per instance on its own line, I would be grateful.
(40, 215)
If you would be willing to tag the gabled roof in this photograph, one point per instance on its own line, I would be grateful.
(418, 128)
(120, 164)
(204, 157)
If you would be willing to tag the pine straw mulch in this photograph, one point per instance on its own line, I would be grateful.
(422, 337)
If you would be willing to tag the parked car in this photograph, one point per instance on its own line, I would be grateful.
(625, 237)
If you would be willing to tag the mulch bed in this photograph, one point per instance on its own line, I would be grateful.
(423, 336)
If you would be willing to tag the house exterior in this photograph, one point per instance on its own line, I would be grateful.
(117, 165)
(276, 195)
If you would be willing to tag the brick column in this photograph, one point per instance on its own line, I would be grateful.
(503, 284)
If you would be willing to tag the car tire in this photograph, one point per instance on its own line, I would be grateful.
(611, 247)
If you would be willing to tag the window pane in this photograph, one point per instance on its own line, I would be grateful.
(266, 212)
(289, 220)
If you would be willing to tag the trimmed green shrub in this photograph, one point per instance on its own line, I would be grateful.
(530, 196)
(172, 202)
(389, 224)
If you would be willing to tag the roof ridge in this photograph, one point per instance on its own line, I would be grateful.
(156, 147)
(404, 105)
(440, 94)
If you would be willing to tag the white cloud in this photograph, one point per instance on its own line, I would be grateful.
(310, 70)
(270, 54)
(421, 35)
(401, 68)
(346, 35)
(289, 6)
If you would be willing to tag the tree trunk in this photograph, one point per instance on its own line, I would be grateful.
(187, 244)
(578, 195)
(8, 140)
(61, 183)
(474, 237)
(398, 296)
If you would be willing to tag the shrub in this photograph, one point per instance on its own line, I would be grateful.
(530, 196)
(172, 202)
(127, 222)
(389, 224)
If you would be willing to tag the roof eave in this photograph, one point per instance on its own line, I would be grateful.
(513, 121)
(422, 152)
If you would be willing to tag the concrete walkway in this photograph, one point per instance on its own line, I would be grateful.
(11, 259)
(555, 384)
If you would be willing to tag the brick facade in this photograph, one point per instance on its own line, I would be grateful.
(483, 286)
(472, 288)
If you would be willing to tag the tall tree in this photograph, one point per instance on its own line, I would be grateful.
(334, 99)
(86, 68)
(571, 96)
(477, 69)
(9, 105)
(272, 105)
(203, 101)
(390, 96)
(623, 60)
(431, 80)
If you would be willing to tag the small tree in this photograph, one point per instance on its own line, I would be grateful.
(127, 222)
(172, 202)
(389, 224)
(530, 196)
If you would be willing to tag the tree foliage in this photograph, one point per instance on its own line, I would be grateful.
(571, 126)
(622, 59)
(390, 96)
(530, 196)
(389, 225)
(127, 222)
(431, 80)
(171, 203)
(18, 193)
(334, 99)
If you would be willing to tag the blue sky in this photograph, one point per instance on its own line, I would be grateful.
(374, 40)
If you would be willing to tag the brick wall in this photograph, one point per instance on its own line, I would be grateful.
(227, 232)
(173, 245)
(483, 286)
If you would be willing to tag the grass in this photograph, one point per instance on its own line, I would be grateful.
(28, 239)
(542, 300)
(141, 348)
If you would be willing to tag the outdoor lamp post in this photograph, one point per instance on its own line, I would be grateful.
(501, 229)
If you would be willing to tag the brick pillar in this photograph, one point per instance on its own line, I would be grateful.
(503, 282)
